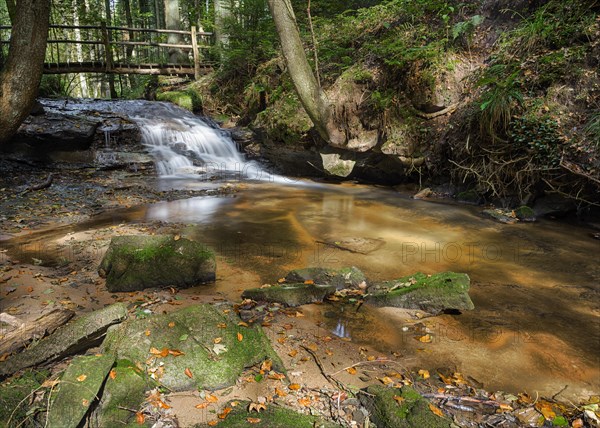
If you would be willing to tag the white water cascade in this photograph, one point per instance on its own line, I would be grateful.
(184, 144)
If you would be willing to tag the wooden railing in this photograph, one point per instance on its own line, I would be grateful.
(121, 50)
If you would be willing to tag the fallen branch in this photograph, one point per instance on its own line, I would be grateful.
(360, 363)
(429, 116)
(463, 399)
(43, 185)
(330, 378)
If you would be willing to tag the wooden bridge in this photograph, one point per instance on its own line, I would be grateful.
(122, 50)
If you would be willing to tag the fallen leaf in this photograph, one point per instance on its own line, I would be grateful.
(277, 376)
(399, 399)
(294, 386)
(203, 405)
(281, 340)
(266, 365)
(281, 280)
(164, 352)
(280, 393)
(213, 423)
(222, 325)
(211, 398)
(162, 404)
(424, 374)
(309, 281)
(371, 358)
(50, 383)
(219, 348)
(140, 418)
(176, 353)
(293, 353)
(425, 339)
(386, 380)
(242, 324)
(4, 357)
(313, 347)
(505, 408)
(85, 402)
(253, 420)
(225, 412)
(112, 374)
(81, 378)
(577, 423)
(256, 407)
(304, 402)
(176, 238)
(171, 324)
(188, 373)
(351, 370)
(147, 332)
(218, 339)
(435, 410)
(545, 409)
(240, 337)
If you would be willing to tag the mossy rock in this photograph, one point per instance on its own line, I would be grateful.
(14, 405)
(335, 165)
(193, 331)
(187, 99)
(469, 197)
(124, 390)
(502, 216)
(273, 417)
(525, 213)
(411, 412)
(347, 277)
(432, 294)
(78, 389)
(294, 294)
(137, 262)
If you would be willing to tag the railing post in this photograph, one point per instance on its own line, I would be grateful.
(107, 50)
(195, 53)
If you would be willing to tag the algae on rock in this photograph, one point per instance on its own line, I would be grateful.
(193, 331)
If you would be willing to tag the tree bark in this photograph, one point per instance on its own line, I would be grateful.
(20, 78)
(111, 77)
(172, 22)
(311, 95)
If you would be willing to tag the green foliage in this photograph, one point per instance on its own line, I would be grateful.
(465, 29)
(14, 402)
(189, 99)
(592, 129)
(501, 97)
(540, 136)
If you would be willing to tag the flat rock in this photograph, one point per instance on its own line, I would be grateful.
(429, 293)
(137, 262)
(335, 165)
(356, 244)
(290, 294)
(503, 216)
(78, 389)
(347, 277)
(193, 332)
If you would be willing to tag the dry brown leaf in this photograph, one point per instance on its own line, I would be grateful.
(253, 420)
(243, 324)
(277, 376)
(147, 332)
(351, 370)
(281, 280)
(288, 326)
(162, 404)
(309, 281)
(386, 380)
(176, 352)
(304, 401)
(281, 340)
(545, 409)
(171, 324)
(164, 352)
(294, 386)
(425, 339)
(293, 353)
(436, 411)
(85, 402)
(203, 405)
(266, 365)
(280, 393)
(225, 412)
(50, 383)
(240, 337)
(371, 358)
(211, 398)
(505, 408)
(112, 374)
(329, 352)
(140, 418)
(81, 378)
(213, 423)
(222, 325)
(188, 373)
(218, 339)
(176, 238)
(399, 399)
(577, 423)
(424, 374)
(256, 407)
(313, 347)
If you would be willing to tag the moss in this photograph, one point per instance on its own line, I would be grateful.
(290, 294)
(525, 213)
(412, 411)
(13, 399)
(188, 99)
(192, 331)
(273, 417)
(469, 197)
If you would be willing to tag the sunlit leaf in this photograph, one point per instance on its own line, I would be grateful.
(545, 409)
(304, 402)
(171, 324)
(424, 374)
(280, 393)
(140, 418)
(81, 378)
(218, 339)
(266, 365)
(294, 386)
(188, 373)
(399, 399)
(212, 423)
(436, 410)
(386, 380)
(351, 370)
(256, 407)
(293, 353)
(242, 324)
(253, 420)
(203, 405)
(425, 339)
(240, 337)
(112, 374)
(211, 398)
(277, 376)
(225, 412)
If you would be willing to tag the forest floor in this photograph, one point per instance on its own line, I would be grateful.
(53, 239)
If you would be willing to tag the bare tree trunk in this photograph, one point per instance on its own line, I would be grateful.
(221, 13)
(111, 77)
(79, 50)
(172, 21)
(311, 95)
(20, 78)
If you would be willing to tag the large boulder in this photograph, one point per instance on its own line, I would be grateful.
(200, 346)
(400, 408)
(137, 262)
(429, 293)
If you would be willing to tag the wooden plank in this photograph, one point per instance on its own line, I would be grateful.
(195, 53)
(122, 68)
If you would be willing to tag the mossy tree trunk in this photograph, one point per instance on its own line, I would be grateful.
(311, 95)
(21, 75)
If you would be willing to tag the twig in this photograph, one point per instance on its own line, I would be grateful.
(463, 399)
(46, 183)
(330, 378)
(361, 363)
(560, 392)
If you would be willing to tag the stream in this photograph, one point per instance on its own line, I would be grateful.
(536, 287)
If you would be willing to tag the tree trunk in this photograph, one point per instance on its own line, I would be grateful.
(79, 50)
(221, 14)
(111, 77)
(20, 78)
(172, 22)
(310, 93)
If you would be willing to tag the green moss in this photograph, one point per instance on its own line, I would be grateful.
(469, 196)
(525, 213)
(189, 99)
(290, 294)
(273, 417)
(14, 405)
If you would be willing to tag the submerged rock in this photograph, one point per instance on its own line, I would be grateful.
(357, 244)
(400, 408)
(137, 262)
(290, 294)
(347, 277)
(432, 294)
(180, 349)
(78, 389)
(506, 217)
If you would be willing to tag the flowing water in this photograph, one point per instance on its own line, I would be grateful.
(536, 287)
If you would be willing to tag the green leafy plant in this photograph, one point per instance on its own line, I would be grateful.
(592, 129)
(540, 137)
